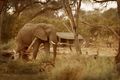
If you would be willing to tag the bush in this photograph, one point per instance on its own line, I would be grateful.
(67, 71)
(18, 67)
(85, 68)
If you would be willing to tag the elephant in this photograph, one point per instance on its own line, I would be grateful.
(44, 33)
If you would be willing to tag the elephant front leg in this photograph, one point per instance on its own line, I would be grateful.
(47, 49)
(54, 51)
(36, 48)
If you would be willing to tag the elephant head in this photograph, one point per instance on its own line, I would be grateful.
(46, 32)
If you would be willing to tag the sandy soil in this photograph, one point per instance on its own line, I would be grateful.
(90, 51)
(66, 52)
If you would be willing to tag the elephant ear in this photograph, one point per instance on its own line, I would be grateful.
(40, 33)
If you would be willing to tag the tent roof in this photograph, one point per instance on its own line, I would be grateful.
(67, 35)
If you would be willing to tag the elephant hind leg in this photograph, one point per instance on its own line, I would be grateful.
(36, 48)
(47, 50)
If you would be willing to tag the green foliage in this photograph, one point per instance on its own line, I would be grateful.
(19, 67)
(57, 22)
(6, 28)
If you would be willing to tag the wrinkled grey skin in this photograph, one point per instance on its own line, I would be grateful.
(44, 34)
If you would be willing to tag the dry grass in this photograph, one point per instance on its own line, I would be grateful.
(68, 66)
(72, 68)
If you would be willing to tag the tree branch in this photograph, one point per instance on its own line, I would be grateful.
(46, 5)
(44, 9)
(69, 13)
(77, 12)
(114, 32)
(104, 26)
(24, 7)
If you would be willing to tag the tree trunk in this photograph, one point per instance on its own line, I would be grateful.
(2, 3)
(74, 22)
(119, 48)
(118, 7)
(117, 58)
(1, 22)
(77, 43)
(0, 26)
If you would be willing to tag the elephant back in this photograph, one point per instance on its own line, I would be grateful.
(25, 35)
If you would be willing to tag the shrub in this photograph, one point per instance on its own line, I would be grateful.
(67, 71)
(20, 67)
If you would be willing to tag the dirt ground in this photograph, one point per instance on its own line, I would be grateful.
(66, 52)
(90, 51)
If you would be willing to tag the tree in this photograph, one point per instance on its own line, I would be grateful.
(18, 6)
(73, 19)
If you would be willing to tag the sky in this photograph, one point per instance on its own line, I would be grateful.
(88, 6)
(92, 6)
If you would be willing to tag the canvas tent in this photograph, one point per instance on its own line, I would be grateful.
(68, 38)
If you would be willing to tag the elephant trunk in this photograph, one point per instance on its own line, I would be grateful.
(53, 40)
(55, 52)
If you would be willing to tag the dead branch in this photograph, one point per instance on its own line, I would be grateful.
(67, 27)
(69, 12)
(113, 31)
(107, 27)
(77, 12)
(73, 20)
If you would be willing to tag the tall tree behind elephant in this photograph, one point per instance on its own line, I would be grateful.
(44, 33)
(2, 4)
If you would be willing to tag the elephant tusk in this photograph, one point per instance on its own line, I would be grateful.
(14, 51)
(31, 44)
(52, 42)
